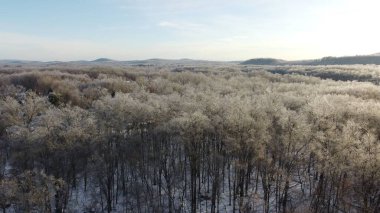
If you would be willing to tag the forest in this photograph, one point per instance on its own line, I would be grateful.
(373, 59)
(224, 138)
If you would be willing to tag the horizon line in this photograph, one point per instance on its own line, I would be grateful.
(178, 59)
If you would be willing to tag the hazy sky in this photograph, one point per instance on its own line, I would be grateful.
(199, 29)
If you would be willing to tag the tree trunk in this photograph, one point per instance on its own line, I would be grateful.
(193, 186)
(285, 198)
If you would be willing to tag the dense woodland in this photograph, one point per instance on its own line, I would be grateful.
(213, 139)
(346, 60)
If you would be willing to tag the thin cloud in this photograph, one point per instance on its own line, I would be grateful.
(168, 24)
(235, 38)
(182, 26)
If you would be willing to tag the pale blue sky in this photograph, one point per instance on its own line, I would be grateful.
(199, 29)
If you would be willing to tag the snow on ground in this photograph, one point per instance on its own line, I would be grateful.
(91, 199)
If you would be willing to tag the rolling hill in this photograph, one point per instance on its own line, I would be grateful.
(345, 60)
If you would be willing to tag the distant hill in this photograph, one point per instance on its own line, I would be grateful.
(345, 60)
(103, 60)
(108, 63)
(370, 59)
(264, 61)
